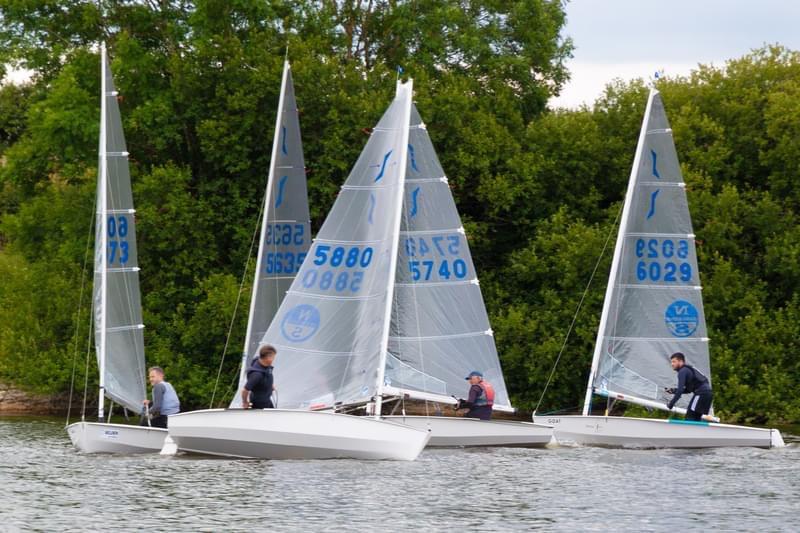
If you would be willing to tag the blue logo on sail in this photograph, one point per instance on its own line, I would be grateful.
(654, 156)
(414, 195)
(681, 318)
(371, 207)
(383, 166)
(300, 323)
(652, 204)
(281, 185)
(412, 158)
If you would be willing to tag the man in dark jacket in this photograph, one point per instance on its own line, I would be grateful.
(257, 392)
(690, 380)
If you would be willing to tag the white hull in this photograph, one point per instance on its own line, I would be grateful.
(96, 437)
(459, 431)
(614, 431)
(290, 434)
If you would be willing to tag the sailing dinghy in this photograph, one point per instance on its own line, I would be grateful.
(439, 328)
(331, 329)
(117, 308)
(653, 307)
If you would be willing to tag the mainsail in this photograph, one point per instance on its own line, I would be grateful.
(440, 331)
(332, 326)
(285, 227)
(653, 305)
(119, 332)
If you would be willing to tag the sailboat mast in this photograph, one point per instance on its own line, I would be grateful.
(103, 208)
(615, 261)
(264, 219)
(405, 89)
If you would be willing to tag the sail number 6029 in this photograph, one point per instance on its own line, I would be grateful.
(653, 268)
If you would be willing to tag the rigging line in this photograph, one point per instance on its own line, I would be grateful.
(238, 298)
(80, 304)
(578, 309)
(86, 366)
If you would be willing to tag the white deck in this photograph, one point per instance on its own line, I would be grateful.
(459, 431)
(623, 432)
(96, 437)
(291, 434)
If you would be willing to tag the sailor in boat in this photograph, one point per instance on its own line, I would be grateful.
(690, 380)
(165, 400)
(257, 392)
(480, 399)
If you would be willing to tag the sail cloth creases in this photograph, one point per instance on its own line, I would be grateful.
(117, 308)
(654, 306)
(325, 313)
(439, 330)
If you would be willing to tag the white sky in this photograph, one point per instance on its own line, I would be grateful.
(634, 38)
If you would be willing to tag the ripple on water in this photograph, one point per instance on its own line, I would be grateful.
(48, 486)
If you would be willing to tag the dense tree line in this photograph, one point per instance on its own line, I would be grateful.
(539, 189)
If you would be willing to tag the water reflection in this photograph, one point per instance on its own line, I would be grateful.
(48, 486)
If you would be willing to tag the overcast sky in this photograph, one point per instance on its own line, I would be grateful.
(634, 38)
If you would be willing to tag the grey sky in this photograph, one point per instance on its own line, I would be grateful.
(634, 38)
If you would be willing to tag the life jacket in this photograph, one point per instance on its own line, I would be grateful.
(487, 394)
(698, 379)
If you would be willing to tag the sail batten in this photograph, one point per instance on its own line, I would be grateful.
(653, 305)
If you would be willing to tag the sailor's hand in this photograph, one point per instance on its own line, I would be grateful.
(274, 387)
(246, 405)
(146, 402)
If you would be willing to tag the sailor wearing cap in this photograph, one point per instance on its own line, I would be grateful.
(481, 397)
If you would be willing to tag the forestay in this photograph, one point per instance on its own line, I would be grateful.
(329, 329)
(653, 305)
(439, 330)
(119, 338)
(285, 227)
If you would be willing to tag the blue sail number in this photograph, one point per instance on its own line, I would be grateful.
(117, 229)
(341, 268)
(435, 258)
(653, 266)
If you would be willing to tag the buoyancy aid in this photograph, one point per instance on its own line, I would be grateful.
(487, 394)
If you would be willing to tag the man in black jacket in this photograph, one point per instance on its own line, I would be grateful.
(690, 380)
(257, 392)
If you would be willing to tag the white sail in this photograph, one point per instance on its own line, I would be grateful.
(440, 330)
(285, 228)
(119, 332)
(332, 326)
(653, 305)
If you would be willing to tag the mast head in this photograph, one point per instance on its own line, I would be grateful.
(404, 88)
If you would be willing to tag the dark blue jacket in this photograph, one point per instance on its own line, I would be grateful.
(259, 382)
(690, 380)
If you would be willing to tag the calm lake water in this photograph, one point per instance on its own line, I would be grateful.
(46, 485)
